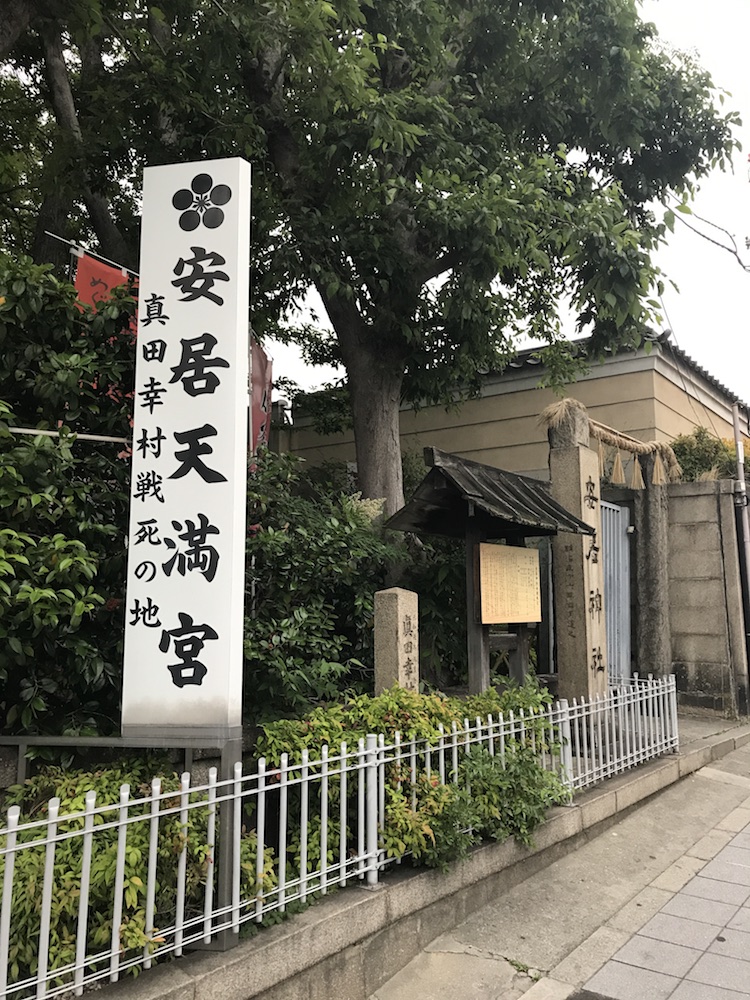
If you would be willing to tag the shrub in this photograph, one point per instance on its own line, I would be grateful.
(64, 504)
(71, 786)
(494, 796)
(315, 559)
(703, 456)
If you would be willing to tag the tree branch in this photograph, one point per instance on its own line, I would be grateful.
(63, 105)
(449, 260)
(730, 250)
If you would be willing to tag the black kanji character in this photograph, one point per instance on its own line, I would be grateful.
(155, 310)
(148, 484)
(591, 499)
(189, 640)
(199, 282)
(190, 456)
(597, 660)
(194, 365)
(197, 554)
(151, 443)
(152, 392)
(154, 350)
(148, 531)
(595, 603)
(593, 552)
(147, 613)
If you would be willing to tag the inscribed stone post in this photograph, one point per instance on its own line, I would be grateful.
(578, 574)
(396, 639)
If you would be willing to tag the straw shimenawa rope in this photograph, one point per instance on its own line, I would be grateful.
(567, 411)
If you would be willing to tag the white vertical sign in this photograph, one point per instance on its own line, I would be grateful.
(186, 548)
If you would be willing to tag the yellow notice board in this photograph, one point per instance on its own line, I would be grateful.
(509, 584)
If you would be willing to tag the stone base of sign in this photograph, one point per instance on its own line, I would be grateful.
(396, 639)
(183, 736)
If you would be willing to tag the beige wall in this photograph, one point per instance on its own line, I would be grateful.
(680, 412)
(651, 397)
(705, 596)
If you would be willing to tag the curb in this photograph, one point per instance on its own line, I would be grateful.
(349, 944)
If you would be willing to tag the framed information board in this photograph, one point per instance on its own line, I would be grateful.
(509, 584)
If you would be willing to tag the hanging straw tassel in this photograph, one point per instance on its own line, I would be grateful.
(659, 475)
(618, 474)
(602, 464)
(636, 483)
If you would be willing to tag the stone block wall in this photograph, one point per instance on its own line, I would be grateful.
(705, 597)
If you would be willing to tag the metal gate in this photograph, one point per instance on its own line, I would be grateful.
(615, 550)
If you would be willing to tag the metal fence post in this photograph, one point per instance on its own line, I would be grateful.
(672, 696)
(566, 742)
(231, 752)
(371, 808)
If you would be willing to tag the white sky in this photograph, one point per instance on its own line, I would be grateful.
(709, 316)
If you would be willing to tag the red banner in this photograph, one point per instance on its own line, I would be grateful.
(95, 280)
(261, 397)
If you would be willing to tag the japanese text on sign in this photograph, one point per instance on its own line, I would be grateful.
(509, 584)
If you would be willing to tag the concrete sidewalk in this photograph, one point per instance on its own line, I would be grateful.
(653, 908)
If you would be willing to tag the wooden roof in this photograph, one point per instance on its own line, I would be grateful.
(502, 504)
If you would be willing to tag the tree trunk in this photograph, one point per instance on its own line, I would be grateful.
(14, 22)
(111, 241)
(53, 217)
(375, 391)
(376, 398)
(375, 369)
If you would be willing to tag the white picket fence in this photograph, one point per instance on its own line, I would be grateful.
(115, 886)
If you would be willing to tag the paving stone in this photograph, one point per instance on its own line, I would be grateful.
(741, 840)
(736, 821)
(718, 970)
(641, 908)
(679, 874)
(626, 982)
(700, 991)
(658, 956)
(741, 920)
(735, 856)
(722, 892)
(549, 989)
(679, 930)
(723, 871)
(735, 944)
(591, 955)
(707, 911)
(710, 845)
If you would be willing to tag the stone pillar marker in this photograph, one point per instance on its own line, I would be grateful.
(578, 573)
(653, 626)
(396, 639)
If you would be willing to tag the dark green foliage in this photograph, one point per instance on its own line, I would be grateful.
(71, 786)
(316, 556)
(412, 162)
(493, 797)
(434, 825)
(64, 503)
(510, 792)
(702, 455)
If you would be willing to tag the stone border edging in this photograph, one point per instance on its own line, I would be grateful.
(346, 946)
